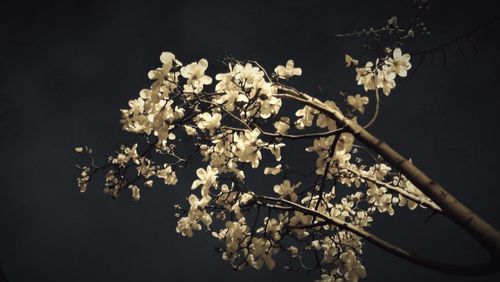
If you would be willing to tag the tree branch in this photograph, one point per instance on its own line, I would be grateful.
(456, 40)
(401, 191)
(463, 270)
(484, 233)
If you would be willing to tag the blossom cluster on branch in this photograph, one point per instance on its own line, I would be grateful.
(239, 125)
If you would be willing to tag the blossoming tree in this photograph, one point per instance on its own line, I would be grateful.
(241, 124)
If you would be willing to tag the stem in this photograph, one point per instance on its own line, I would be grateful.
(484, 233)
(462, 270)
(377, 110)
(406, 194)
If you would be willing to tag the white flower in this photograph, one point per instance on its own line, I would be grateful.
(300, 219)
(207, 179)
(325, 121)
(282, 125)
(409, 187)
(190, 130)
(235, 233)
(286, 190)
(232, 92)
(209, 121)
(168, 60)
(381, 200)
(245, 198)
(226, 81)
(137, 106)
(288, 70)
(346, 142)
(148, 183)
(399, 63)
(349, 61)
(358, 102)
(197, 210)
(261, 252)
(248, 75)
(350, 267)
(273, 170)
(320, 145)
(195, 74)
(83, 179)
(329, 278)
(385, 80)
(167, 174)
(380, 170)
(276, 150)
(306, 115)
(269, 104)
(136, 192)
(185, 226)
(272, 226)
(365, 76)
(125, 155)
(329, 250)
(246, 147)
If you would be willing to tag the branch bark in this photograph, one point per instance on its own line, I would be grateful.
(462, 270)
(483, 232)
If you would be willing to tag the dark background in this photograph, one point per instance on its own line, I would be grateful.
(66, 68)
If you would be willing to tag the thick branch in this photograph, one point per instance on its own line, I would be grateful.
(463, 270)
(292, 136)
(480, 230)
(401, 191)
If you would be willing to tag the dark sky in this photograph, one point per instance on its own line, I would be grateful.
(67, 67)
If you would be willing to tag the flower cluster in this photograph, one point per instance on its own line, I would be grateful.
(235, 128)
(382, 74)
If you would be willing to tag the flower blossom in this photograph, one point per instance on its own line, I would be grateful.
(232, 92)
(273, 170)
(185, 226)
(325, 121)
(282, 125)
(288, 70)
(195, 74)
(350, 267)
(209, 121)
(247, 146)
(399, 63)
(385, 80)
(306, 116)
(349, 61)
(168, 59)
(207, 179)
(168, 175)
(248, 76)
(260, 253)
(286, 190)
(357, 102)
